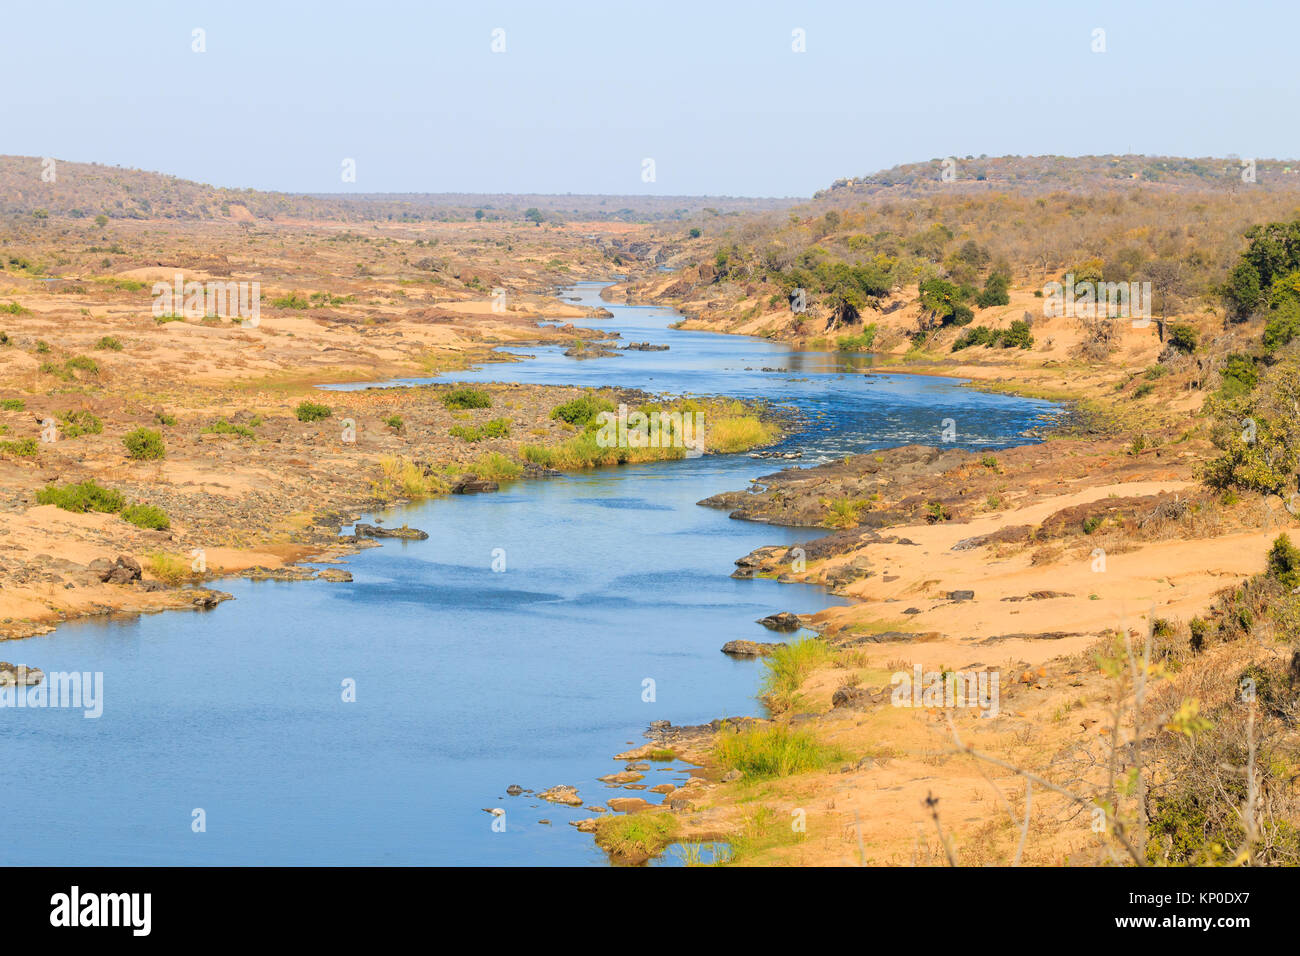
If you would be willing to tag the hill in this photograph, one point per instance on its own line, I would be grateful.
(86, 190)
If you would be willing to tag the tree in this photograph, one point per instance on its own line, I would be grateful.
(1168, 286)
(995, 291)
(1258, 431)
(1242, 292)
(533, 214)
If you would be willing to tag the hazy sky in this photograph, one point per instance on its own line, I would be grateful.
(712, 91)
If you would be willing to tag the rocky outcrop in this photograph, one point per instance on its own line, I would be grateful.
(749, 648)
(473, 485)
(589, 352)
(19, 675)
(562, 794)
(782, 621)
(404, 532)
(124, 570)
(644, 347)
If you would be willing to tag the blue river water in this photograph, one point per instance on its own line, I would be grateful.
(467, 679)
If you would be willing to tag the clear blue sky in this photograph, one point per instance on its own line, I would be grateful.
(711, 90)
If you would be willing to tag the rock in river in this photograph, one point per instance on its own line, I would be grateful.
(18, 675)
(562, 794)
(785, 621)
(749, 648)
(372, 531)
(471, 485)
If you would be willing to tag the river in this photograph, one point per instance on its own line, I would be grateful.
(467, 679)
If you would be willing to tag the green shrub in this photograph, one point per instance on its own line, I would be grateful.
(1258, 432)
(146, 516)
(994, 291)
(82, 497)
(82, 362)
(861, 342)
(144, 444)
(394, 422)
(1284, 562)
(1183, 338)
(1017, 335)
(21, 448)
(13, 404)
(80, 422)
(164, 418)
(496, 428)
(962, 315)
(461, 398)
(1239, 376)
(974, 336)
(936, 511)
(110, 343)
(291, 301)
(13, 308)
(582, 410)
(312, 412)
(223, 427)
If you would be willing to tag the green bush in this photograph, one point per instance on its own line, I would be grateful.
(291, 301)
(1017, 335)
(973, 336)
(21, 448)
(80, 422)
(312, 412)
(82, 497)
(82, 362)
(147, 516)
(223, 427)
(13, 404)
(582, 410)
(1183, 338)
(461, 398)
(1258, 432)
(1239, 376)
(1284, 562)
(144, 444)
(994, 291)
(110, 343)
(394, 422)
(496, 428)
(861, 342)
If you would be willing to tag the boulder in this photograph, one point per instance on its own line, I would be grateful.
(784, 621)
(749, 648)
(124, 570)
(562, 794)
(373, 531)
(19, 675)
(472, 485)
